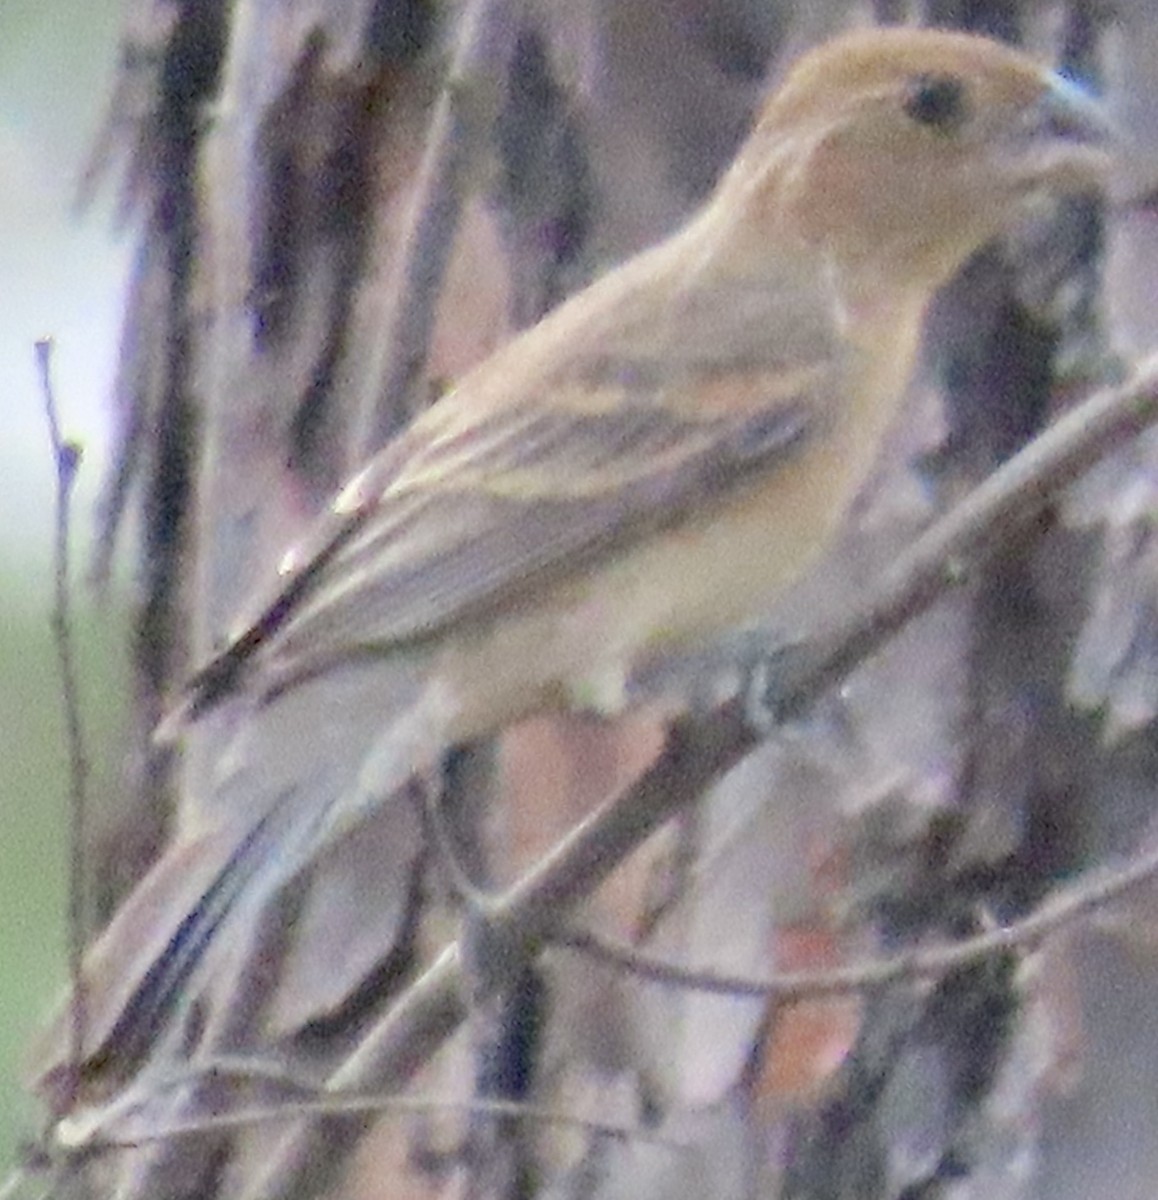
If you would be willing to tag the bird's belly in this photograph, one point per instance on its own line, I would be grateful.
(578, 645)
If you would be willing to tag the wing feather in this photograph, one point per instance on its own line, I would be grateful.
(489, 493)
(469, 540)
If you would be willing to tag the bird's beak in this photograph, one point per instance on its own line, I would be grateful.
(1068, 112)
(1067, 137)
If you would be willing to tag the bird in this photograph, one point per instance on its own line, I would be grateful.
(657, 460)
(640, 474)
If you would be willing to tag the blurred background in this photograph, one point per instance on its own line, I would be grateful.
(61, 275)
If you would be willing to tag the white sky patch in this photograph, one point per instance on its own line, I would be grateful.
(61, 276)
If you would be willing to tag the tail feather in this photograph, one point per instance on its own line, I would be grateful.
(310, 833)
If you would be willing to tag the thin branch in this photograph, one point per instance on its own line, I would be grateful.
(700, 749)
(339, 1105)
(1057, 911)
(67, 456)
(463, 118)
(970, 533)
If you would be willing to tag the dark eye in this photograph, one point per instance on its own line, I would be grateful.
(938, 101)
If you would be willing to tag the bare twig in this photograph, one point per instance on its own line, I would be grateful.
(309, 1102)
(1058, 911)
(462, 119)
(701, 749)
(952, 548)
(697, 752)
(343, 1105)
(795, 987)
(66, 456)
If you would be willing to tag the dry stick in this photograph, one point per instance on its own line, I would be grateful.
(462, 118)
(66, 456)
(1056, 912)
(347, 1105)
(699, 749)
(794, 987)
(696, 753)
(310, 1101)
(973, 530)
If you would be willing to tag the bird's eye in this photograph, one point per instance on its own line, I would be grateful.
(938, 101)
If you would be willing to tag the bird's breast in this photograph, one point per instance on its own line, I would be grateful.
(720, 569)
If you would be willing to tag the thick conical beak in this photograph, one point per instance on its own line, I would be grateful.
(1068, 138)
(1069, 113)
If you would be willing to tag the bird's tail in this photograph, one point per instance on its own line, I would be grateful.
(300, 886)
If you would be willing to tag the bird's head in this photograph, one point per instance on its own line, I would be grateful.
(903, 150)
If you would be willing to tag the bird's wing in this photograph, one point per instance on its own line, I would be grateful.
(472, 506)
